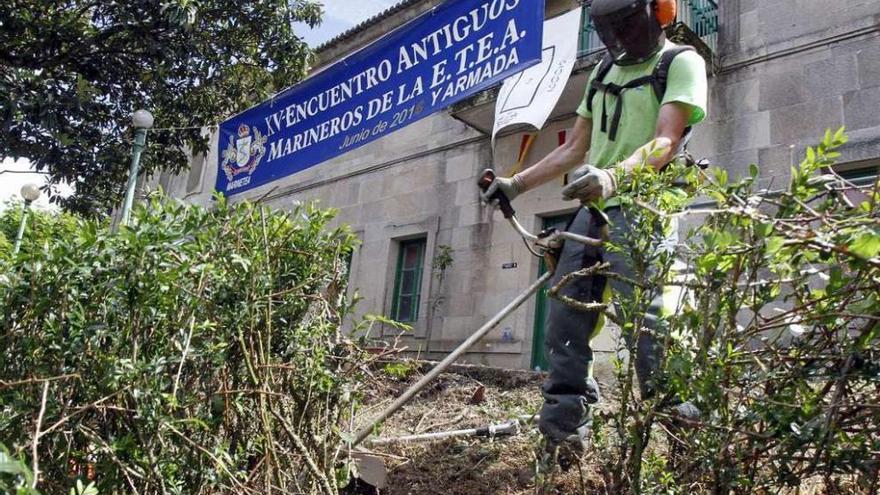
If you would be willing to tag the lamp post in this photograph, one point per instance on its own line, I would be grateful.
(30, 193)
(142, 120)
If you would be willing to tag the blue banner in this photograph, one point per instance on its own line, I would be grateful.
(443, 56)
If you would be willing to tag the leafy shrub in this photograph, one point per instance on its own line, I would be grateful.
(5, 246)
(781, 345)
(15, 477)
(776, 339)
(198, 351)
(41, 226)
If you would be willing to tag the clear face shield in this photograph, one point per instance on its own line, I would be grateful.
(631, 36)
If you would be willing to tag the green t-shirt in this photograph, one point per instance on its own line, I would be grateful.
(686, 83)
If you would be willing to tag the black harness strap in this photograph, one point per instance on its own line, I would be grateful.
(617, 91)
(604, 66)
(661, 70)
(661, 78)
(657, 80)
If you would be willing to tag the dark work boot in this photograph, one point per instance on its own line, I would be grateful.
(566, 448)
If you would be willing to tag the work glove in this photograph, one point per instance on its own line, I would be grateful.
(511, 187)
(589, 184)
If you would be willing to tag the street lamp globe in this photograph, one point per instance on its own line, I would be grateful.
(142, 119)
(30, 192)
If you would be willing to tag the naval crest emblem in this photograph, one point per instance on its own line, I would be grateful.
(244, 152)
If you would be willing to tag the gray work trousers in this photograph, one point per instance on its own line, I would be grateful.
(570, 389)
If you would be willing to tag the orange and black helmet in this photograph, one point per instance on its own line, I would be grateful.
(632, 30)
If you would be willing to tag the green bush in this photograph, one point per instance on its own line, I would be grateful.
(776, 338)
(198, 351)
(40, 227)
(5, 246)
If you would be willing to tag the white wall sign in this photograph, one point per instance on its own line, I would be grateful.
(528, 97)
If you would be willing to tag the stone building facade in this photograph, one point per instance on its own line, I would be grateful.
(782, 71)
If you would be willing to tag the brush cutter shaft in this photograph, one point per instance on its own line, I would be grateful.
(589, 241)
(442, 365)
(485, 180)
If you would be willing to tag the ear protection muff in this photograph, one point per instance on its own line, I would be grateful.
(665, 11)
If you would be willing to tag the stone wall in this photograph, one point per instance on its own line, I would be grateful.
(790, 69)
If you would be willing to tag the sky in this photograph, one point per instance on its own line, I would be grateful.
(11, 183)
(339, 16)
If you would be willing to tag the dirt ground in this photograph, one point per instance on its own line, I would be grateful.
(473, 397)
(467, 465)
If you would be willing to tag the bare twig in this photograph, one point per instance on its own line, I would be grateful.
(217, 462)
(443, 424)
(30, 381)
(81, 410)
(304, 452)
(192, 322)
(126, 471)
(570, 277)
(36, 441)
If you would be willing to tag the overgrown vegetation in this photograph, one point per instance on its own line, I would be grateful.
(197, 352)
(200, 351)
(776, 338)
(42, 226)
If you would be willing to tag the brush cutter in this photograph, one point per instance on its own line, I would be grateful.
(545, 245)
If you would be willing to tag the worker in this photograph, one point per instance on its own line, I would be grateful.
(645, 95)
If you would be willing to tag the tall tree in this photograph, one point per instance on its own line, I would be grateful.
(73, 71)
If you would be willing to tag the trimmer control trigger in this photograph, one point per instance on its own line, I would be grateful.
(484, 182)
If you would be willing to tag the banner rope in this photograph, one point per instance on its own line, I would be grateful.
(212, 126)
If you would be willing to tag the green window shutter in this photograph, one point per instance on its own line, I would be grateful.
(703, 18)
(589, 39)
(408, 281)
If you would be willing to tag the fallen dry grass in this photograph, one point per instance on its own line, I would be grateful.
(477, 466)
(467, 465)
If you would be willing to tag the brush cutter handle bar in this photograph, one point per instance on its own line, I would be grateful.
(522, 230)
(503, 202)
(559, 234)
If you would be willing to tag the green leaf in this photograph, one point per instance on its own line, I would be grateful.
(775, 244)
(867, 245)
(754, 171)
(81, 489)
(763, 229)
(868, 337)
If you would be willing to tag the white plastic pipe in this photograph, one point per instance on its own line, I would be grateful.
(491, 431)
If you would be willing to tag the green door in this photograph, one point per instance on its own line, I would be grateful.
(539, 360)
